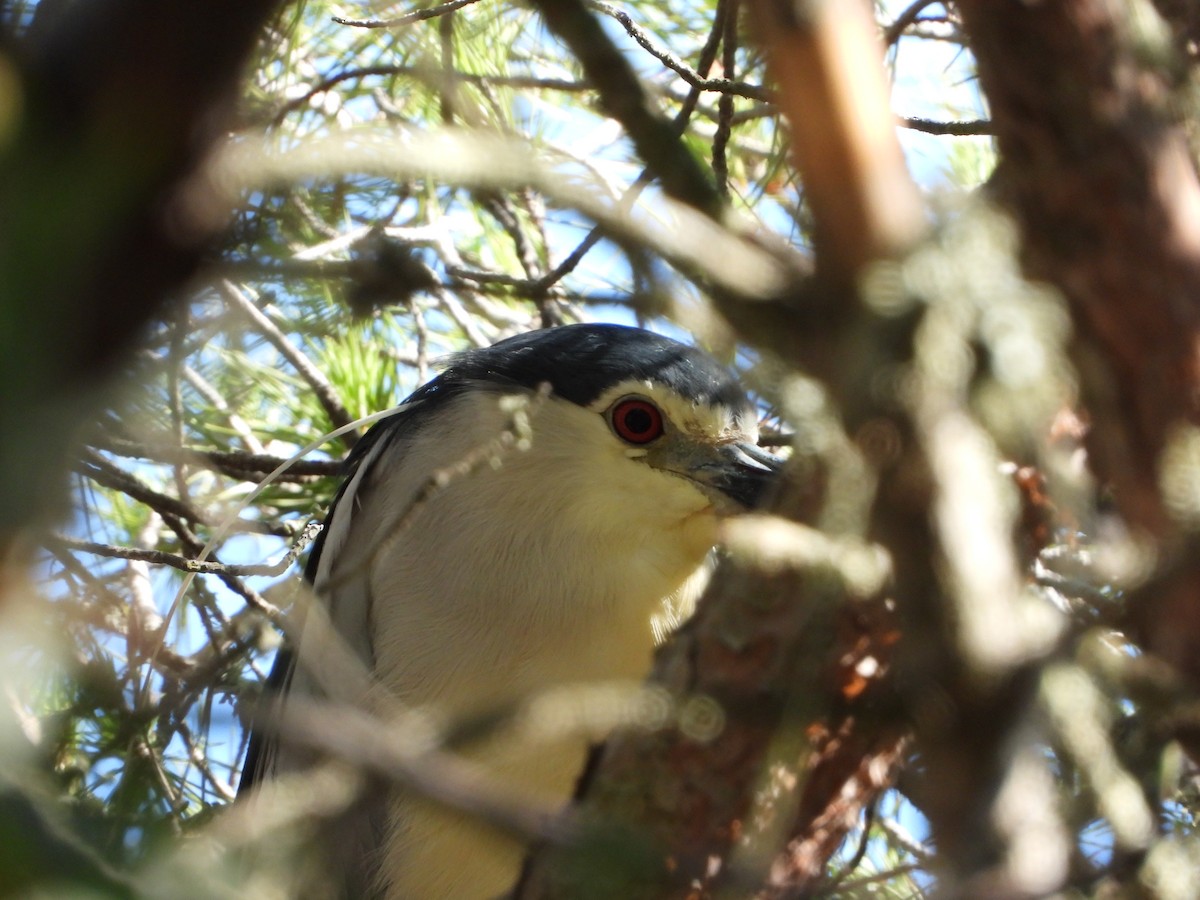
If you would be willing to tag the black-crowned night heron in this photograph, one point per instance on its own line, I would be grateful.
(538, 566)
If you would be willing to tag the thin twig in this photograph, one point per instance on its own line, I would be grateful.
(234, 463)
(907, 17)
(175, 512)
(672, 62)
(833, 886)
(101, 471)
(520, 82)
(213, 396)
(707, 56)
(900, 836)
(502, 211)
(324, 391)
(704, 64)
(183, 563)
(408, 18)
(623, 97)
(198, 758)
(958, 129)
(176, 804)
(725, 104)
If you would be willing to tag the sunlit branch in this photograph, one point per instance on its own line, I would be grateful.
(183, 563)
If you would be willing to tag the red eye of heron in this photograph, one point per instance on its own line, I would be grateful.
(635, 420)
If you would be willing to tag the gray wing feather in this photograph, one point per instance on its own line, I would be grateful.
(350, 841)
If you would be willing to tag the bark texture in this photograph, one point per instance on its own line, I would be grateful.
(1098, 174)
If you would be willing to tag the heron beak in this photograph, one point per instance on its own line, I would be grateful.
(739, 472)
(733, 476)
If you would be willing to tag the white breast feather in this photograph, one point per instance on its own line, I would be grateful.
(569, 600)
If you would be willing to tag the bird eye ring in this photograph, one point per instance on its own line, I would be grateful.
(635, 420)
